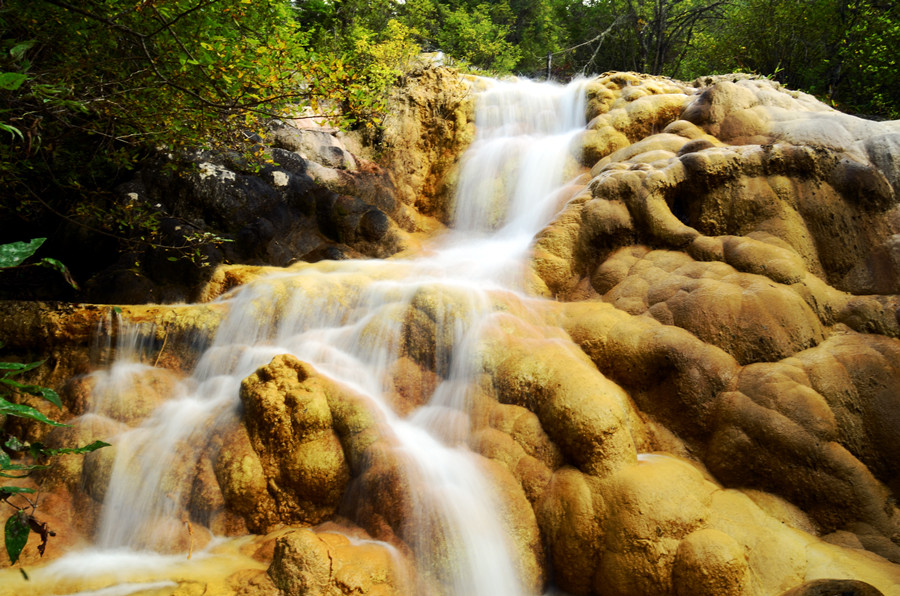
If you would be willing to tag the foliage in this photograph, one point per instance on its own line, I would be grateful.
(539, 29)
(867, 76)
(473, 33)
(179, 73)
(841, 50)
(478, 34)
(21, 523)
(375, 61)
(89, 89)
(14, 255)
(652, 36)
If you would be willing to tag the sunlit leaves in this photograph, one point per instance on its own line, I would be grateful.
(168, 73)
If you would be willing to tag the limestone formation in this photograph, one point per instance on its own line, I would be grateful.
(290, 429)
(331, 564)
(429, 125)
(732, 270)
(700, 395)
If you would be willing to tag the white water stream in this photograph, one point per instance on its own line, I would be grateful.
(338, 319)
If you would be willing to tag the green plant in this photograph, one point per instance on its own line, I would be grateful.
(88, 90)
(20, 524)
(14, 254)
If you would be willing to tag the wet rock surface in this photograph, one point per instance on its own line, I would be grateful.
(718, 271)
(708, 406)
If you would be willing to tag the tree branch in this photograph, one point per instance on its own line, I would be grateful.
(95, 17)
(168, 24)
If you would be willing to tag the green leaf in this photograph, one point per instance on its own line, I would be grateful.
(14, 444)
(20, 367)
(15, 490)
(36, 390)
(19, 49)
(74, 450)
(12, 254)
(54, 264)
(25, 475)
(26, 470)
(17, 531)
(12, 130)
(22, 411)
(6, 465)
(10, 81)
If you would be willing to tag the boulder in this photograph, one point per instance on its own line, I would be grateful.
(332, 564)
(289, 426)
(320, 145)
(710, 563)
(834, 587)
(425, 132)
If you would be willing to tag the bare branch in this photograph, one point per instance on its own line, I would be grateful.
(590, 41)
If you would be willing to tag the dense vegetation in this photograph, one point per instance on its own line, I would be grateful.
(90, 88)
(845, 51)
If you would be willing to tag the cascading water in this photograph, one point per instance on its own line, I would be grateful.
(346, 319)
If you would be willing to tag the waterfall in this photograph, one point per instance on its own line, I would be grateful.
(342, 319)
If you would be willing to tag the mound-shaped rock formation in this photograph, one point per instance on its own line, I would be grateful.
(735, 274)
(709, 404)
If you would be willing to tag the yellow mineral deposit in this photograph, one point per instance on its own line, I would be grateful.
(656, 354)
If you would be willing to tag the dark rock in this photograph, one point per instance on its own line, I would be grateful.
(339, 216)
(252, 239)
(288, 160)
(374, 224)
(327, 252)
(834, 587)
(120, 286)
(301, 194)
(326, 214)
(319, 146)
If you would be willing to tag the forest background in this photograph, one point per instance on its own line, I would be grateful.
(90, 89)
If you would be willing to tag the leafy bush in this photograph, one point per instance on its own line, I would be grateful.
(90, 89)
